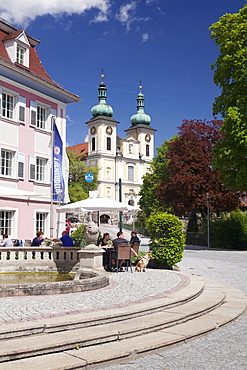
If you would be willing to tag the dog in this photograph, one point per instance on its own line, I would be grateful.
(142, 264)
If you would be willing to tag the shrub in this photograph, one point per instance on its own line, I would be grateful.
(78, 236)
(166, 238)
(229, 232)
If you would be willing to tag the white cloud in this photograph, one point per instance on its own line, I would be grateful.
(24, 11)
(145, 37)
(126, 13)
(86, 139)
(69, 121)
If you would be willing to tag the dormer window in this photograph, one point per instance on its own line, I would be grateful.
(20, 55)
(17, 46)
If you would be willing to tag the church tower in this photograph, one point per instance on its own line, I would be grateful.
(120, 160)
(102, 143)
(140, 128)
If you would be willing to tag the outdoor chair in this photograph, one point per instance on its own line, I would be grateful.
(135, 247)
(124, 253)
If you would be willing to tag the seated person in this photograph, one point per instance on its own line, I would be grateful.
(104, 241)
(119, 241)
(38, 240)
(7, 242)
(65, 239)
(134, 238)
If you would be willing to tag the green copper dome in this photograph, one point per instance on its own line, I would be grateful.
(102, 109)
(140, 117)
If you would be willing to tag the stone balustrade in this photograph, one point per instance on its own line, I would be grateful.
(62, 259)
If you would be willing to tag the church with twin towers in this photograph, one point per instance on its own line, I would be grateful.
(120, 160)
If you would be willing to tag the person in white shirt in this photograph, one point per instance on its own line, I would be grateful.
(7, 242)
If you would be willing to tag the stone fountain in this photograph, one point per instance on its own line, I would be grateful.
(91, 255)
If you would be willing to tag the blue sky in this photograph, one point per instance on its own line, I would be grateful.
(164, 43)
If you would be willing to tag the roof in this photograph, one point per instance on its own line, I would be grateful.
(79, 149)
(35, 70)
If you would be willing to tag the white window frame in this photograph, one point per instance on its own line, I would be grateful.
(6, 224)
(46, 223)
(20, 54)
(41, 164)
(41, 221)
(41, 115)
(37, 175)
(41, 121)
(14, 95)
(4, 167)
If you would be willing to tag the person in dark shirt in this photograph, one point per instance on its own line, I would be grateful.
(38, 240)
(119, 240)
(134, 238)
(104, 241)
(66, 239)
(116, 242)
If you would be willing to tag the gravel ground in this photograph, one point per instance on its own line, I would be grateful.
(223, 349)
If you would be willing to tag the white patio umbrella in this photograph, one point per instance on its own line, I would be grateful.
(94, 204)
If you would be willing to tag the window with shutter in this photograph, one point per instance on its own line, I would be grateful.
(33, 118)
(20, 166)
(22, 109)
(32, 167)
(33, 113)
(21, 114)
(20, 170)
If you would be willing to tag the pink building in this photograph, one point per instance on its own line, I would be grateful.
(31, 104)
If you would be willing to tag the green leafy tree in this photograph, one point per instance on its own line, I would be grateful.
(166, 238)
(149, 201)
(78, 187)
(230, 71)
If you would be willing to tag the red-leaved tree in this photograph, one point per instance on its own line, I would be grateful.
(190, 173)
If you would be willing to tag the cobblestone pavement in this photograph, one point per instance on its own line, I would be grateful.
(222, 349)
(124, 287)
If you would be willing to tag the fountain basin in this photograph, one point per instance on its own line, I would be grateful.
(83, 281)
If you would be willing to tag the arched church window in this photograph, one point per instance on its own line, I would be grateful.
(93, 143)
(131, 148)
(130, 173)
(108, 143)
(147, 150)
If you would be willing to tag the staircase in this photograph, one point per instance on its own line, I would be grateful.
(95, 337)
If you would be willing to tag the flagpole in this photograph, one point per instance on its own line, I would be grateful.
(52, 150)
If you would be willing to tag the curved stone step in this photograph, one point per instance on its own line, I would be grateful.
(208, 300)
(234, 305)
(103, 316)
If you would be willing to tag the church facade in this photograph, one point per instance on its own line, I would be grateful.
(122, 162)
